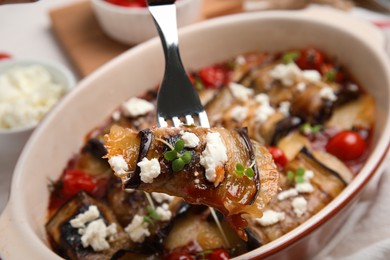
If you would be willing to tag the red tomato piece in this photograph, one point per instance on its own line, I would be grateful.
(310, 59)
(219, 254)
(4, 56)
(76, 180)
(278, 156)
(346, 145)
(179, 256)
(212, 77)
(128, 3)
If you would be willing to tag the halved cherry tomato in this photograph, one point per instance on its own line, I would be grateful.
(218, 254)
(212, 77)
(128, 3)
(4, 56)
(76, 180)
(346, 145)
(310, 59)
(278, 156)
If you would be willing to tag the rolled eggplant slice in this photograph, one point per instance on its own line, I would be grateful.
(67, 239)
(208, 178)
(325, 184)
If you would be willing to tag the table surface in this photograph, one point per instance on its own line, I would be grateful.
(26, 32)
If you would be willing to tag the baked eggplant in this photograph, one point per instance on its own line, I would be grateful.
(207, 177)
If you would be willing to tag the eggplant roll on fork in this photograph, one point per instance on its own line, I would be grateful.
(216, 167)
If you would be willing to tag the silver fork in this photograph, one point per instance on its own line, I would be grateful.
(177, 99)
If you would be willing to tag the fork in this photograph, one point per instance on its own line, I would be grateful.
(177, 100)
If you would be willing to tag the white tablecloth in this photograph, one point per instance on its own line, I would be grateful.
(25, 32)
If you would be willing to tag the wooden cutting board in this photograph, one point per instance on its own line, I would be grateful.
(86, 45)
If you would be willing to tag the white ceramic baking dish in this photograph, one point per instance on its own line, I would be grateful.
(356, 44)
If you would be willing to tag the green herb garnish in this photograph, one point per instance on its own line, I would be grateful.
(198, 84)
(290, 57)
(330, 75)
(241, 170)
(297, 177)
(307, 128)
(152, 215)
(178, 159)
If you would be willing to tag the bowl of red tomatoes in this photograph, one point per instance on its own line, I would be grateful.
(129, 21)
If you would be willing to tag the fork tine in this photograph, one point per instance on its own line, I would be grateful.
(176, 121)
(190, 120)
(203, 119)
(161, 122)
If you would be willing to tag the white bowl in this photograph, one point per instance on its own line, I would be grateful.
(356, 44)
(134, 25)
(13, 140)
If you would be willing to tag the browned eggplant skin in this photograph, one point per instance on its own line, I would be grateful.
(233, 195)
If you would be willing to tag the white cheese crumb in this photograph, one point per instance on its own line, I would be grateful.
(287, 194)
(265, 110)
(136, 107)
(150, 169)
(116, 115)
(164, 213)
(240, 60)
(240, 92)
(308, 175)
(196, 174)
(83, 218)
(95, 235)
(161, 197)
(284, 108)
(311, 75)
(300, 205)
(304, 187)
(239, 113)
(327, 93)
(286, 73)
(137, 229)
(119, 165)
(190, 139)
(197, 181)
(301, 86)
(270, 218)
(214, 154)
(27, 93)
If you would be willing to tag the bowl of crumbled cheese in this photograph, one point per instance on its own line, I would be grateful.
(29, 89)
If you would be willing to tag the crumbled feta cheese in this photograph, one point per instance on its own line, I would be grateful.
(240, 92)
(119, 165)
(136, 107)
(284, 108)
(301, 86)
(116, 115)
(214, 154)
(308, 175)
(300, 205)
(137, 229)
(286, 73)
(311, 75)
(161, 197)
(265, 110)
(304, 187)
(287, 194)
(150, 169)
(95, 235)
(240, 60)
(164, 213)
(270, 218)
(197, 181)
(83, 218)
(239, 113)
(327, 93)
(190, 139)
(27, 93)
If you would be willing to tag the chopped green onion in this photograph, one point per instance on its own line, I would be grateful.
(249, 173)
(330, 75)
(290, 57)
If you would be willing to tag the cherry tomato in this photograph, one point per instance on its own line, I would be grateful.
(212, 77)
(346, 145)
(76, 180)
(4, 56)
(128, 3)
(337, 76)
(219, 254)
(180, 256)
(278, 156)
(310, 59)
